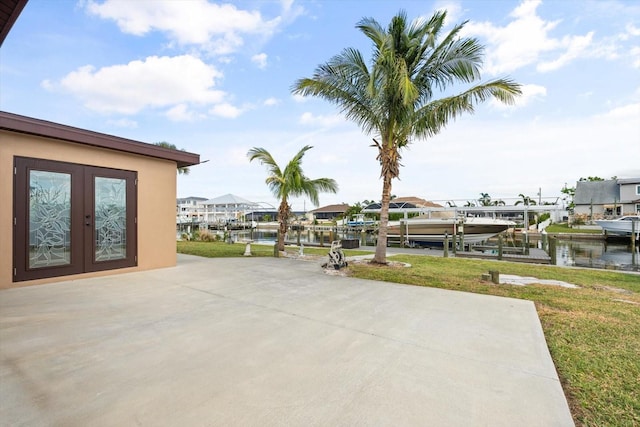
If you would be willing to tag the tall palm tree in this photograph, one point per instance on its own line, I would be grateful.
(290, 182)
(393, 97)
(181, 171)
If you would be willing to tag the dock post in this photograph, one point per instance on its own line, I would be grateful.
(544, 240)
(634, 236)
(552, 251)
(445, 246)
(321, 238)
(363, 237)
(495, 276)
(453, 243)
(276, 253)
(500, 246)
(462, 241)
(298, 237)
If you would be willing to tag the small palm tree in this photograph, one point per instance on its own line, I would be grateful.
(526, 200)
(290, 182)
(164, 144)
(393, 97)
(485, 199)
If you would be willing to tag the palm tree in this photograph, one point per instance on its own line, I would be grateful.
(485, 199)
(393, 97)
(181, 171)
(290, 182)
(528, 201)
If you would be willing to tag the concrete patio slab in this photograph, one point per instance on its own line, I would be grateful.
(267, 342)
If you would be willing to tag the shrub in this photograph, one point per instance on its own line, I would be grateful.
(207, 236)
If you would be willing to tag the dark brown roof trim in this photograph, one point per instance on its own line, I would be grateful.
(16, 123)
(9, 12)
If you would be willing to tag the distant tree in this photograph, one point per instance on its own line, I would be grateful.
(592, 178)
(393, 97)
(485, 199)
(290, 182)
(164, 144)
(570, 193)
(353, 210)
(526, 200)
(470, 204)
(451, 204)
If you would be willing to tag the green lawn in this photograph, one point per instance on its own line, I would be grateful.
(564, 228)
(593, 333)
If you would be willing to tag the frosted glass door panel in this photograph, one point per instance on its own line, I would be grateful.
(49, 219)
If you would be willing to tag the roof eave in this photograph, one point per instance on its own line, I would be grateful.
(28, 125)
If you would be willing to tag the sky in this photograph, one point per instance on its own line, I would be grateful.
(215, 78)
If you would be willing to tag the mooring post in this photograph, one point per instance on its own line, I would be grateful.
(453, 243)
(363, 238)
(500, 246)
(495, 276)
(544, 240)
(321, 238)
(462, 240)
(634, 236)
(526, 246)
(445, 246)
(552, 250)
(298, 236)
(276, 253)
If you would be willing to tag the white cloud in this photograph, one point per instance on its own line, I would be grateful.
(631, 112)
(526, 40)
(226, 110)
(151, 83)
(271, 102)
(320, 120)
(180, 113)
(453, 8)
(530, 93)
(299, 98)
(219, 28)
(575, 48)
(260, 60)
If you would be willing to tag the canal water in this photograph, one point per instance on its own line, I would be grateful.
(571, 253)
(597, 254)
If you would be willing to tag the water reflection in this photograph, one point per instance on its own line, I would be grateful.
(305, 237)
(571, 253)
(597, 254)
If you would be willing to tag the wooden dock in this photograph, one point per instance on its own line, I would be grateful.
(536, 256)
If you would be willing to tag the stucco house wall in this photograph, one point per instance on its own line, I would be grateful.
(156, 193)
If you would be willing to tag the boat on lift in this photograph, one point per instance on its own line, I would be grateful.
(420, 231)
(622, 226)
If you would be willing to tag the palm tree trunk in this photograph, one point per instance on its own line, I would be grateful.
(380, 256)
(283, 213)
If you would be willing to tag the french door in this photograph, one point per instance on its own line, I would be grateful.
(71, 218)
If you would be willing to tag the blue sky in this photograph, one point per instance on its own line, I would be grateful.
(214, 78)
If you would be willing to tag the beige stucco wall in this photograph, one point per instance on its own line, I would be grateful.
(156, 199)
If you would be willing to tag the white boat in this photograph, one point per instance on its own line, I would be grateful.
(359, 220)
(622, 226)
(430, 231)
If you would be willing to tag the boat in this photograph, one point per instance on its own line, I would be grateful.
(359, 220)
(622, 226)
(421, 231)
